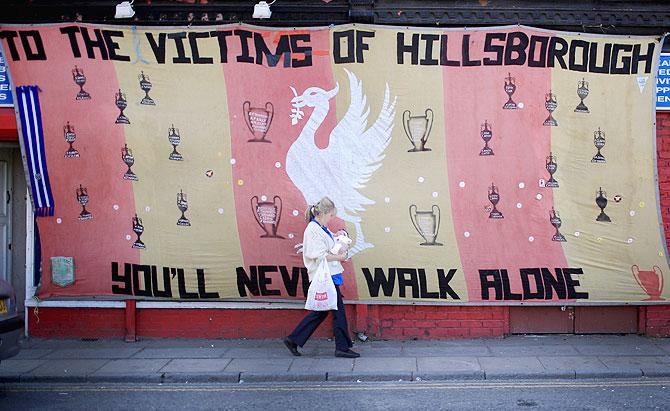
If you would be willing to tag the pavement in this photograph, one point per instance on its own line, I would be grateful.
(249, 361)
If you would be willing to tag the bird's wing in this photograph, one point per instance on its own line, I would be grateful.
(354, 151)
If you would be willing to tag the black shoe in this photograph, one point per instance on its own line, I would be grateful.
(293, 347)
(347, 354)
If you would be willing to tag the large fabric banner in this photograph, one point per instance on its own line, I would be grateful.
(497, 165)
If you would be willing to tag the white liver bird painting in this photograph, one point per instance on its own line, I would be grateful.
(353, 154)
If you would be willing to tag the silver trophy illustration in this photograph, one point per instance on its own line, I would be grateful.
(582, 92)
(258, 121)
(267, 215)
(128, 158)
(426, 223)
(146, 85)
(138, 229)
(551, 167)
(601, 202)
(486, 134)
(182, 205)
(599, 142)
(174, 138)
(80, 79)
(70, 136)
(550, 103)
(555, 220)
(510, 88)
(121, 104)
(494, 198)
(417, 129)
(82, 198)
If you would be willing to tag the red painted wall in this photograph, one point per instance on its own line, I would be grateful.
(380, 321)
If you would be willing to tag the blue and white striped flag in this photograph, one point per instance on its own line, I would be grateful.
(28, 104)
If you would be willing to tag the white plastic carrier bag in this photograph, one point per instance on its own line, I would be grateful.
(321, 295)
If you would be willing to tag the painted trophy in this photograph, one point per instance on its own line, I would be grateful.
(182, 205)
(174, 138)
(601, 202)
(267, 215)
(651, 282)
(555, 220)
(551, 167)
(128, 158)
(550, 103)
(486, 134)
(138, 229)
(146, 85)
(599, 142)
(258, 121)
(494, 198)
(582, 93)
(417, 129)
(426, 223)
(80, 79)
(82, 198)
(510, 88)
(70, 136)
(121, 104)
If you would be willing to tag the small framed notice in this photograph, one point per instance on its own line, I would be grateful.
(62, 271)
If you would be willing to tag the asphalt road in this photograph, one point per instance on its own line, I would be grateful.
(638, 394)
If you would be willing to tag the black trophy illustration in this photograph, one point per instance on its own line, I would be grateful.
(129, 159)
(582, 92)
(258, 120)
(550, 103)
(510, 88)
(174, 138)
(121, 104)
(146, 85)
(599, 142)
(70, 136)
(417, 129)
(80, 79)
(138, 228)
(601, 202)
(267, 215)
(551, 167)
(555, 220)
(82, 198)
(427, 223)
(182, 205)
(494, 198)
(486, 133)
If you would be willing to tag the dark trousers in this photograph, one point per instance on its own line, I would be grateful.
(309, 324)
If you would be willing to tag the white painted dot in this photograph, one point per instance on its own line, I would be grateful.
(538, 196)
(577, 233)
(632, 213)
(522, 185)
(435, 194)
(296, 213)
(115, 206)
(59, 220)
(461, 184)
(466, 234)
(629, 241)
(387, 200)
(421, 179)
(264, 198)
(531, 238)
(519, 205)
(147, 209)
(278, 164)
(599, 239)
(520, 105)
(233, 161)
(128, 237)
(220, 210)
(291, 235)
(387, 229)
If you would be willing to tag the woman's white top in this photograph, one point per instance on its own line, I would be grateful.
(316, 244)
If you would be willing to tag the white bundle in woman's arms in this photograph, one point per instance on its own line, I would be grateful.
(342, 242)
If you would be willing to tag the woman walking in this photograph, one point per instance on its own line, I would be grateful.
(317, 242)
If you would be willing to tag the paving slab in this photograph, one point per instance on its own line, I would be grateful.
(67, 368)
(518, 367)
(447, 364)
(131, 366)
(14, 366)
(279, 352)
(363, 364)
(180, 353)
(259, 364)
(609, 373)
(85, 353)
(181, 365)
(533, 350)
(448, 375)
(620, 350)
(195, 343)
(576, 364)
(302, 364)
(360, 376)
(31, 353)
(281, 376)
(456, 351)
(633, 361)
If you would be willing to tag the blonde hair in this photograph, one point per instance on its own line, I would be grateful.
(324, 206)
